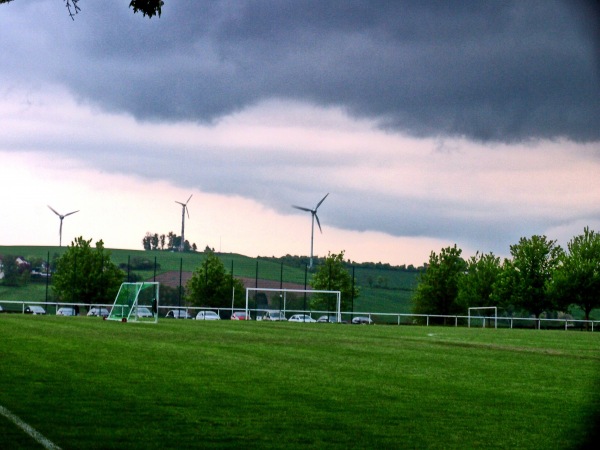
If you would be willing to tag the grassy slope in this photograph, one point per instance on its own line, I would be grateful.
(394, 299)
(88, 383)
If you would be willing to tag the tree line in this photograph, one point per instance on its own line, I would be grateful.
(302, 261)
(86, 274)
(170, 242)
(539, 277)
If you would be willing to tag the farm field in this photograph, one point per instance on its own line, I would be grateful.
(86, 383)
(396, 298)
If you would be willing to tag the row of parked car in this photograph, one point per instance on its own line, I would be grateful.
(274, 316)
(143, 312)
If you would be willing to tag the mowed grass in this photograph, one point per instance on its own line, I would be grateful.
(87, 383)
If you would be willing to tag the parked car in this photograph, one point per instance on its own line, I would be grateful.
(102, 312)
(240, 315)
(1, 309)
(142, 311)
(328, 319)
(66, 311)
(301, 318)
(363, 320)
(273, 316)
(35, 310)
(207, 315)
(178, 314)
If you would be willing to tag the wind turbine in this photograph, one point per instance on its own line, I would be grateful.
(312, 232)
(61, 217)
(184, 209)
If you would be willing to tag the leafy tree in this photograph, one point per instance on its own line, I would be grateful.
(86, 275)
(476, 288)
(437, 290)
(14, 273)
(147, 242)
(533, 263)
(577, 279)
(332, 275)
(171, 241)
(503, 288)
(211, 285)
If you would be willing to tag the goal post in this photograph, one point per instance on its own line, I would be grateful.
(136, 302)
(494, 309)
(263, 299)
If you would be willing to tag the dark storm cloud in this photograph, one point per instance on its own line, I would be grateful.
(490, 71)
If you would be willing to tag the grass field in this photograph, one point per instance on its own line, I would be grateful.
(87, 383)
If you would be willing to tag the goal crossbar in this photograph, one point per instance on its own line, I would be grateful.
(495, 316)
(338, 296)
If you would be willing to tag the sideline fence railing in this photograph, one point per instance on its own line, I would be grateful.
(427, 320)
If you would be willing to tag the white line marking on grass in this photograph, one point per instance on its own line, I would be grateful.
(46, 443)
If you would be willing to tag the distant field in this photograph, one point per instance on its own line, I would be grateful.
(87, 383)
(395, 298)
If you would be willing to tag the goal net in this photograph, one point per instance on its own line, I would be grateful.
(136, 302)
(293, 301)
(483, 313)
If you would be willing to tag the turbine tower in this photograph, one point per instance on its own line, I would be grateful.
(184, 209)
(61, 217)
(312, 232)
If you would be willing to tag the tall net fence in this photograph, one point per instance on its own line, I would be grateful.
(382, 287)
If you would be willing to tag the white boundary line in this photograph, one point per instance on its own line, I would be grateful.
(46, 443)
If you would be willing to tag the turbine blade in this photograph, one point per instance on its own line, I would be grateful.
(182, 204)
(318, 223)
(187, 210)
(188, 200)
(68, 214)
(53, 210)
(322, 200)
(302, 208)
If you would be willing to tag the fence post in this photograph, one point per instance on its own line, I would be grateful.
(281, 286)
(180, 271)
(305, 282)
(352, 307)
(47, 277)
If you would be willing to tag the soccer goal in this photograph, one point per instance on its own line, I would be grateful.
(136, 302)
(493, 309)
(288, 301)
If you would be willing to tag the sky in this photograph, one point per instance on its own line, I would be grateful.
(429, 124)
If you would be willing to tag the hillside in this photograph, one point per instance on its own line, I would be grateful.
(383, 288)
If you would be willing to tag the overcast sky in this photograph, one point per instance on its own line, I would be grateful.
(428, 123)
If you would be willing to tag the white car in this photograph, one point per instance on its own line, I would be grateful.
(329, 319)
(102, 312)
(178, 314)
(301, 318)
(35, 310)
(66, 311)
(362, 320)
(275, 316)
(207, 315)
(142, 311)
